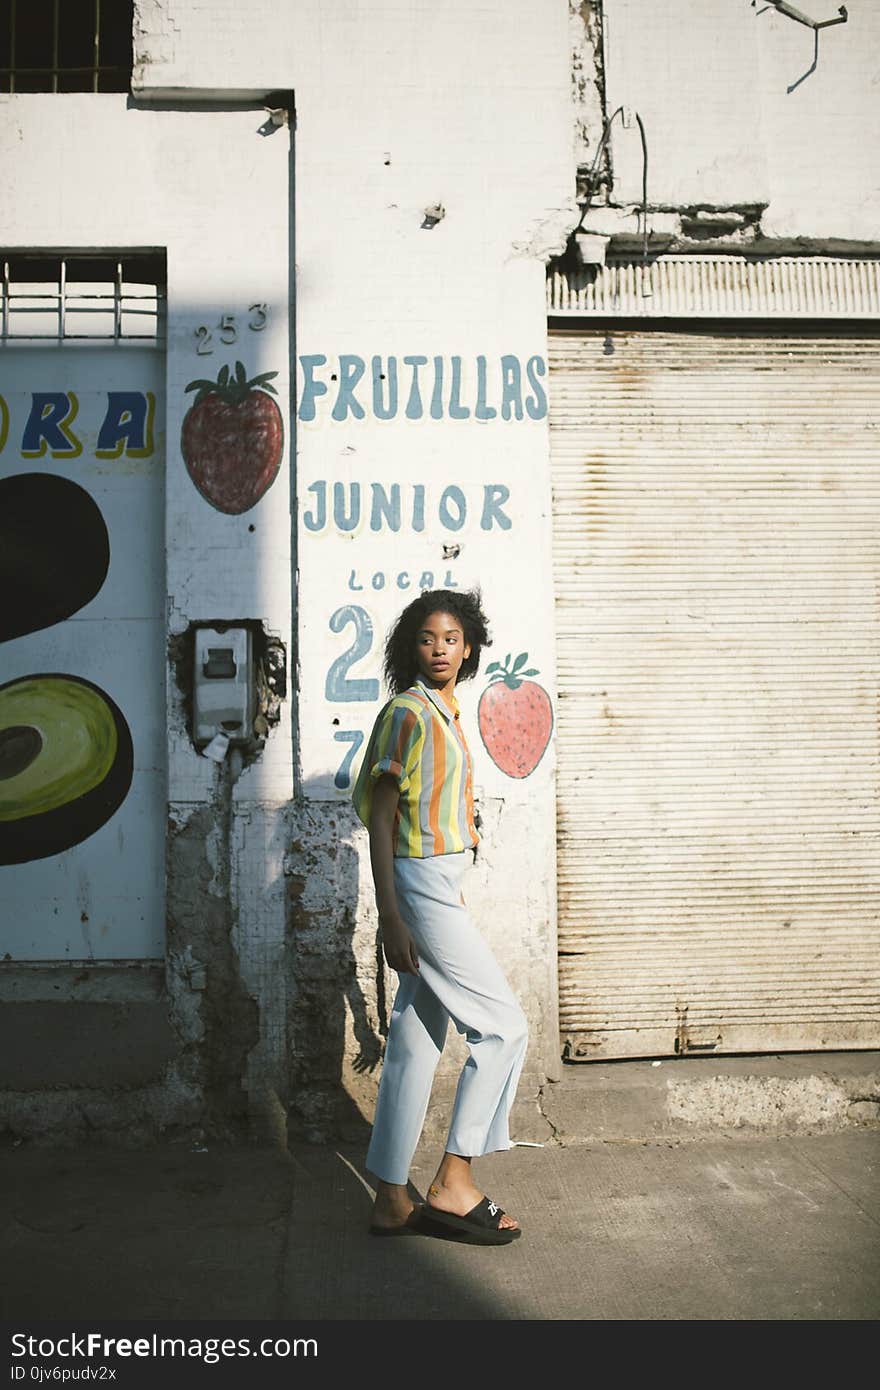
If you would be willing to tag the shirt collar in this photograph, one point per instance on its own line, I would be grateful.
(434, 696)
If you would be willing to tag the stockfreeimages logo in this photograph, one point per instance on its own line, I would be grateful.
(95, 1346)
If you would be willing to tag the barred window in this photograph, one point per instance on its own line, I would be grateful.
(65, 45)
(116, 297)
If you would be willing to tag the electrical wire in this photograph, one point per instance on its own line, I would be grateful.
(590, 178)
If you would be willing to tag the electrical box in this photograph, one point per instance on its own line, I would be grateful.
(223, 684)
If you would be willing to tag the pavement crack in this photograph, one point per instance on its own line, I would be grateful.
(49, 1228)
(554, 1132)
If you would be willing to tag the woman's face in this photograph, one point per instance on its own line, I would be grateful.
(440, 649)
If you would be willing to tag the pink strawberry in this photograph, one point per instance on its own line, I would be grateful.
(515, 717)
(232, 439)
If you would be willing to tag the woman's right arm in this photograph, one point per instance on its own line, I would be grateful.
(398, 945)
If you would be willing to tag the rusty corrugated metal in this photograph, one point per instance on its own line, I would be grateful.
(716, 517)
(787, 287)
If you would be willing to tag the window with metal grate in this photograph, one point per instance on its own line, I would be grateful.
(65, 45)
(48, 296)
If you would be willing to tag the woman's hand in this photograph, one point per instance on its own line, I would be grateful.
(398, 945)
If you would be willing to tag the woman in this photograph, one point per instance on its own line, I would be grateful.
(415, 794)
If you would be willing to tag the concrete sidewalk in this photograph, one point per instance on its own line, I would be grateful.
(637, 1214)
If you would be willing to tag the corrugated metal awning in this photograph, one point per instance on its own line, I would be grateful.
(685, 286)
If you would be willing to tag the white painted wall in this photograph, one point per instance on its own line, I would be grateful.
(710, 80)
(397, 108)
(89, 171)
(86, 172)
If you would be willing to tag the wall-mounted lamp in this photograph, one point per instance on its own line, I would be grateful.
(815, 24)
(791, 13)
(432, 215)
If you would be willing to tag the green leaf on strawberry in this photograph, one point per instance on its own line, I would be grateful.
(511, 675)
(231, 391)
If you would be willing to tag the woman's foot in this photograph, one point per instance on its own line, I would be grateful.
(453, 1190)
(393, 1207)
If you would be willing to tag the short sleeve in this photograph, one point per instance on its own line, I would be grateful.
(394, 748)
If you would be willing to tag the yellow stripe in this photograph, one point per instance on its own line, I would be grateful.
(414, 796)
(454, 829)
(439, 832)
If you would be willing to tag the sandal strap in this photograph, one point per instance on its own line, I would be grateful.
(486, 1213)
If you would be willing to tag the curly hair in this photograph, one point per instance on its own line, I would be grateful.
(400, 665)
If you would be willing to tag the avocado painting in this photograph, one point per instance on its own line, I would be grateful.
(66, 763)
(82, 653)
(66, 757)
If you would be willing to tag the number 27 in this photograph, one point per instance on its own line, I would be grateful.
(341, 688)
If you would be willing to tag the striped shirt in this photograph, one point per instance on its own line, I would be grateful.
(418, 739)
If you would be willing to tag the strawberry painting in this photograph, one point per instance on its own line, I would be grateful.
(233, 438)
(515, 717)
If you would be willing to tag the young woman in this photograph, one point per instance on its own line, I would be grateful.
(415, 794)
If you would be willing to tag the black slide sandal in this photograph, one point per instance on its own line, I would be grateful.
(479, 1225)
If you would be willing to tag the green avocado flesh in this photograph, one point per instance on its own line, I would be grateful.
(76, 750)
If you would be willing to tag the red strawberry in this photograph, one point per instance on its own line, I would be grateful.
(232, 439)
(515, 717)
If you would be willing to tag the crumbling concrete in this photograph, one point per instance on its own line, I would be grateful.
(200, 923)
(691, 1098)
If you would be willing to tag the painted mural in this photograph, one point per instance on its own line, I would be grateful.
(418, 386)
(66, 752)
(232, 438)
(425, 529)
(515, 717)
(353, 506)
(66, 764)
(82, 665)
(54, 551)
(47, 429)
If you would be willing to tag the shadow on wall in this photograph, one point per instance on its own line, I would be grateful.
(340, 993)
(339, 996)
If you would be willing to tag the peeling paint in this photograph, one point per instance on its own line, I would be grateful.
(200, 929)
(588, 78)
(338, 992)
(548, 237)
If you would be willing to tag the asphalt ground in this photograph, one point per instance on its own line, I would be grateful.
(718, 1228)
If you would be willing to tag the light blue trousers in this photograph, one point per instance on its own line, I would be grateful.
(459, 979)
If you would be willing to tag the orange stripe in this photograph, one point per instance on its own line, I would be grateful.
(406, 727)
(439, 742)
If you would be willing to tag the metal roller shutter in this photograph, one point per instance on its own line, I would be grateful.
(718, 612)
